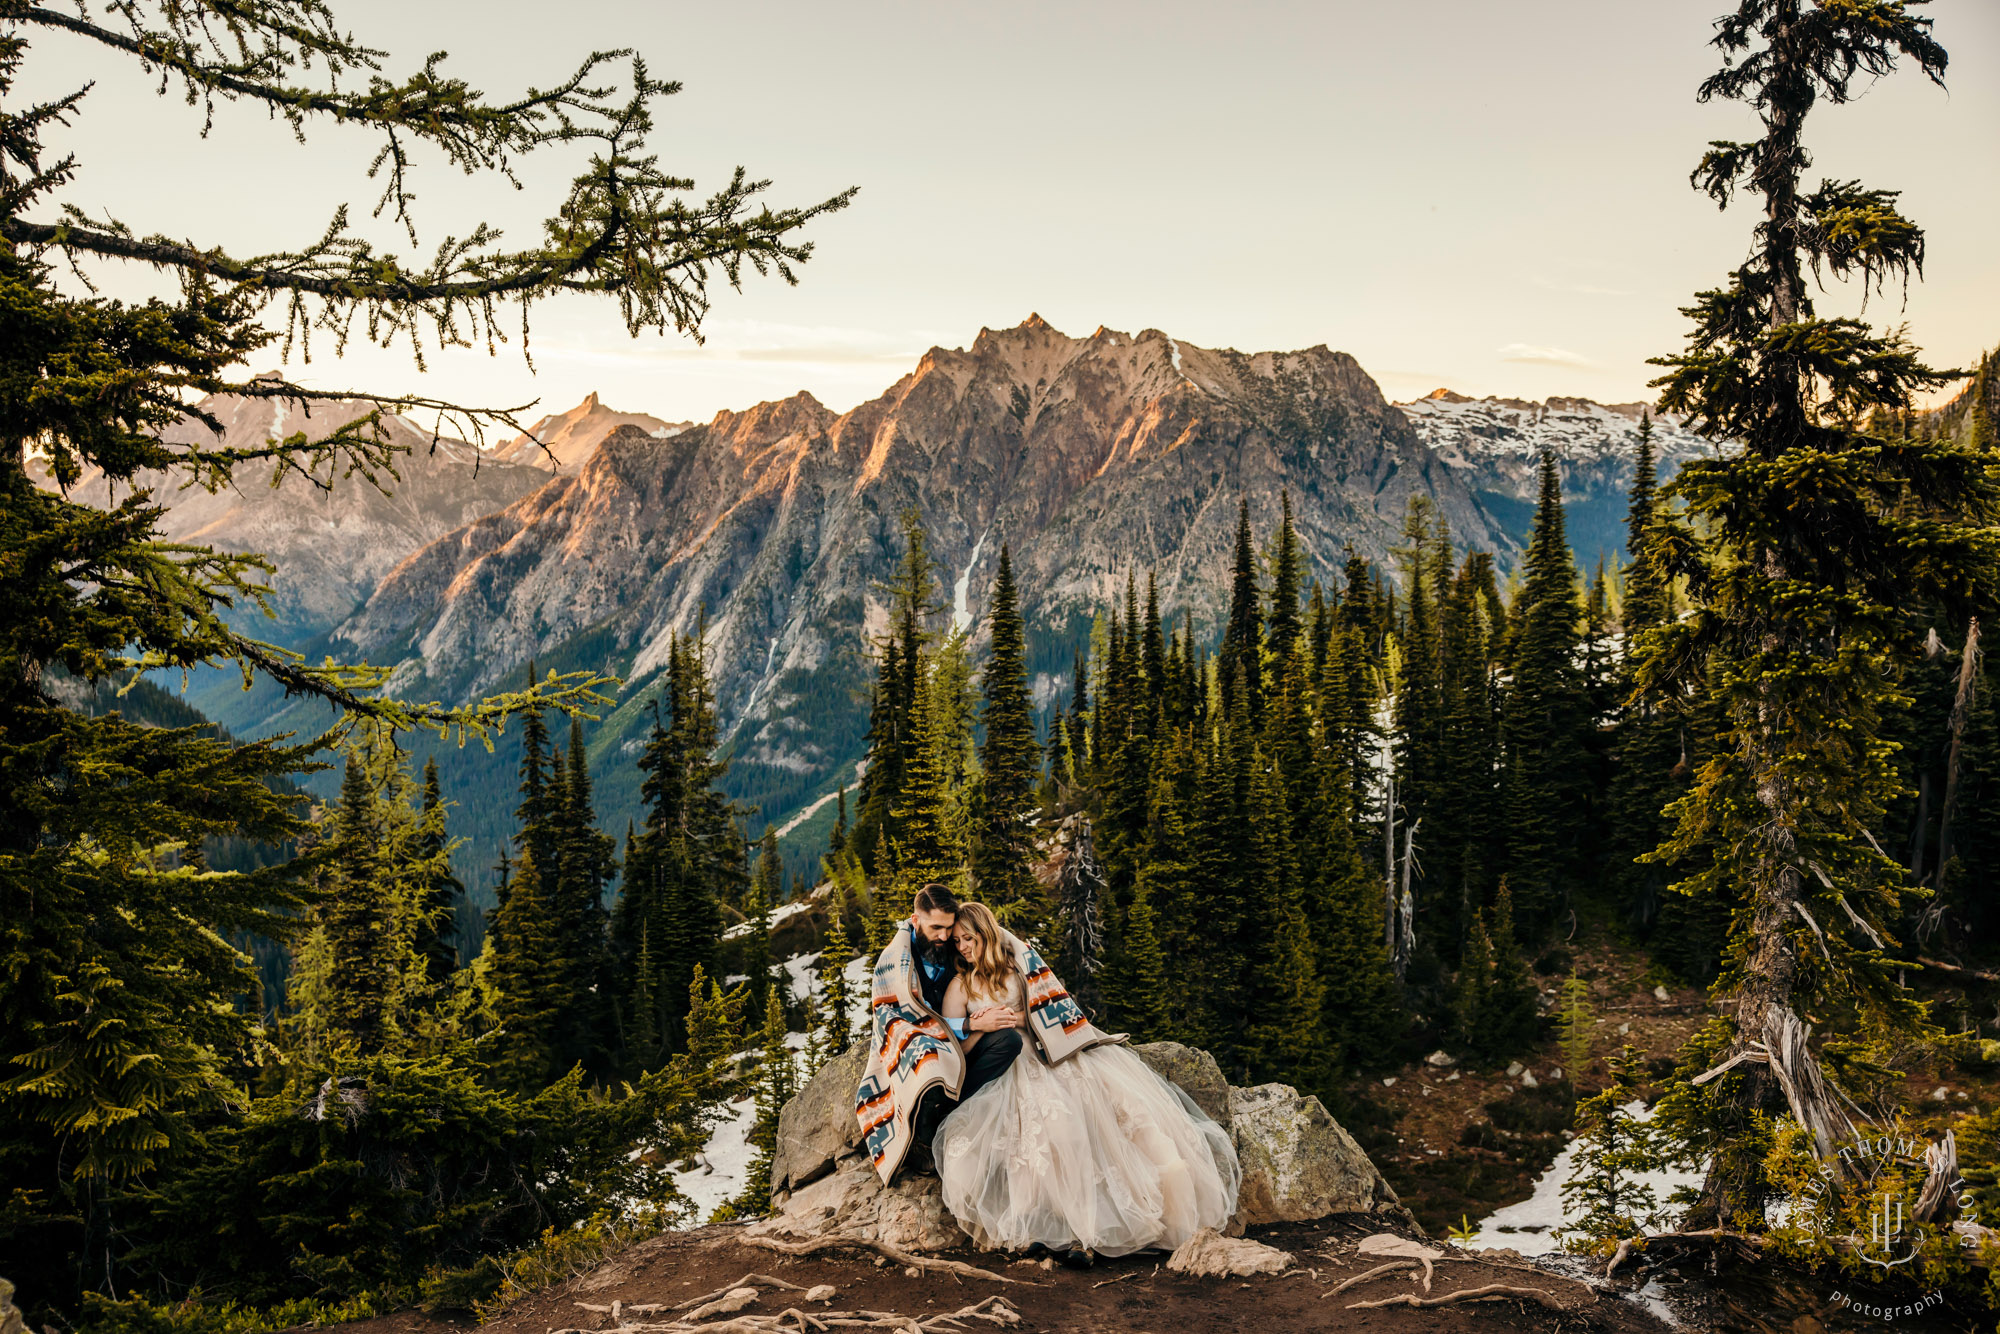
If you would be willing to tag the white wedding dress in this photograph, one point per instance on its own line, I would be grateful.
(1097, 1151)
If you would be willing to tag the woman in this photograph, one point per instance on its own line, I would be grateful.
(1096, 1152)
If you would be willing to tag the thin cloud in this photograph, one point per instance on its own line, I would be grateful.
(1533, 355)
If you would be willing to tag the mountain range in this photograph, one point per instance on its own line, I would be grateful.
(1090, 458)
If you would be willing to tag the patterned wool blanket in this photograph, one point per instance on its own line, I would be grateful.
(914, 1051)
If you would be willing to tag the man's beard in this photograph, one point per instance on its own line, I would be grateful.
(943, 952)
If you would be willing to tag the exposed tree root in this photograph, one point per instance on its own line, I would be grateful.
(896, 1253)
(1376, 1272)
(1492, 1292)
(994, 1310)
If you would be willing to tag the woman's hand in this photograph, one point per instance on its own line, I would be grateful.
(993, 1019)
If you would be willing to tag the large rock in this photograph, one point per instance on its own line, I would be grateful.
(819, 1126)
(854, 1203)
(1194, 1071)
(10, 1316)
(1298, 1162)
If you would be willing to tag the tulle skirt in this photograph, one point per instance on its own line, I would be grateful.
(1097, 1150)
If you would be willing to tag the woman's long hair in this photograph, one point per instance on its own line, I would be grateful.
(992, 962)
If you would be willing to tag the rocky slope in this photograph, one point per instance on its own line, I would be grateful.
(331, 547)
(1495, 444)
(1091, 456)
(563, 441)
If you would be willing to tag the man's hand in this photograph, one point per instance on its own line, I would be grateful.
(994, 1019)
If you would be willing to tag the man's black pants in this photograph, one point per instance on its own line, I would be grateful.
(989, 1059)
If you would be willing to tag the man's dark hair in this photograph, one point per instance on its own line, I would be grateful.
(936, 898)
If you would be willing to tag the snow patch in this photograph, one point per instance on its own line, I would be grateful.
(784, 912)
(1534, 1226)
(961, 617)
(860, 767)
(722, 1168)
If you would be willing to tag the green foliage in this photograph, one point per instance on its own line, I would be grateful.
(1604, 1199)
(369, 1175)
(1578, 1023)
(1800, 548)
(1545, 786)
(1494, 999)
(832, 1021)
(776, 1082)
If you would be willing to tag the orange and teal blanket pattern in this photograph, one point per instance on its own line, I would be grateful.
(913, 1051)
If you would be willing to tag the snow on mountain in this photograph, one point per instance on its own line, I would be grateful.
(1494, 446)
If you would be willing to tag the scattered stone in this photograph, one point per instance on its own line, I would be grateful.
(1450, 1077)
(729, 1303)
(1660, 994)
(1624, 1028)
(1298, 1162)
(1938, 1093)
(1389, 1082)
(1208, 1254)
(913, 1272)
(1441, 1059)
(1514, 1068)
(1402, 1248)
(1556, 1073)
(821, 1292)
(1528, 1080)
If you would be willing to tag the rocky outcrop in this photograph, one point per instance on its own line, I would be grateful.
(818, 1127)
(1298, 1163)
(853, 1202)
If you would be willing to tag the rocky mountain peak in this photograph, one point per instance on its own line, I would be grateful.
(767, 423)
(564, 441)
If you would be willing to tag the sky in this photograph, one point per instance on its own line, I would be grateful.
(1487, 197)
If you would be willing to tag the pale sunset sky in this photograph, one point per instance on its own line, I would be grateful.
(1490, 197)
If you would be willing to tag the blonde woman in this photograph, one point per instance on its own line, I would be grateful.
(1094, 1152)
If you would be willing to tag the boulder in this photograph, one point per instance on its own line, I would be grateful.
(853, 1202)
(818, 1126)
(10, 1315)
(1298, 1162)
(1193, 1071)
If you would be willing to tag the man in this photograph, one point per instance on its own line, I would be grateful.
(917, 1069)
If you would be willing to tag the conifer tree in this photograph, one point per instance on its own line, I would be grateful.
(918, 823)
(1240, 663)
(1607, 1197)
(1419, 705)
(833, 1022)
(776, 1080)
(766, 885)
(438, 892)
(1003, 850)
(1819, 531)
(1545, 785)
(358, 916)
(529, 980)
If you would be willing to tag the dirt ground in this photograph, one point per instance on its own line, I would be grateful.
(1130, 1296)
